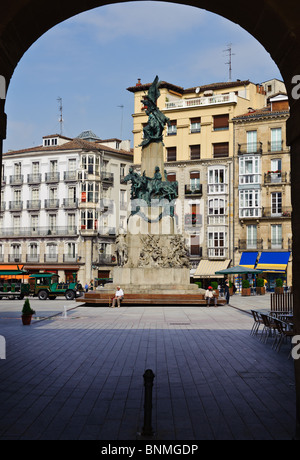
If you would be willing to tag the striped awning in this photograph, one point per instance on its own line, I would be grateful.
(248, 259)
(273, 261)
(207, 268)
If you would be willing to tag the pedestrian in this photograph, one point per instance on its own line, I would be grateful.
(119, 295)
(209, 295)
(86, 287)
(227, 294)
(91, 286)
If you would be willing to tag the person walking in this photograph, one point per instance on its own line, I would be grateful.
(227, 294)
(119, 295)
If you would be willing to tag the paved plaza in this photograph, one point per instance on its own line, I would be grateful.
(80, 377)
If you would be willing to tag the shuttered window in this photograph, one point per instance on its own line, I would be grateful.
(221, 149)
(171, 154)
(221, 122)
(195, 152)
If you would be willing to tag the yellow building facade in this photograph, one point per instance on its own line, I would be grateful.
(199, 154)
(262, 230)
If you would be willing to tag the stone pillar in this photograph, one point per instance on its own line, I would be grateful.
(152, 156)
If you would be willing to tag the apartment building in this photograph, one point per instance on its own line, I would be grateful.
(262, 231)
(199, 153)
(62, 204)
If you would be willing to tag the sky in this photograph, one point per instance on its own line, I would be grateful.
(89, 60)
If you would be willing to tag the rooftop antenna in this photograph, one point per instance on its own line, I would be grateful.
(229, 63)
(60, 116)
(121, 107)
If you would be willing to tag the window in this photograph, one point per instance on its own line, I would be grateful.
(53, 166)
(71, 222)
(216, 244)
(35, 168)
(172, 128)
(276, 236)
(251, 236)
(276, 140)
(33, 250)
(17, 169)
(195, 245)
(216, 180)
(195, 125)
(221, 122)
(34, 222)
(72, 164)
(71, 250)
(52, 222)
(216, 206)
(221, 149)
(249, 170)
(171, 177)
(171, 153)
(17, 196)
(251, 141)
(195, 152)
(249, 203)
(276, 203)
(194, 180)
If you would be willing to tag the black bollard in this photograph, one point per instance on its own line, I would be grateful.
(148, 383)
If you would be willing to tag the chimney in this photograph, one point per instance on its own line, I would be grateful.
(139, 82)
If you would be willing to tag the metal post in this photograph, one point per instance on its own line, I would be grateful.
(148, 383)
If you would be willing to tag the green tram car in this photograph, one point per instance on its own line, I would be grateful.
(17, 284)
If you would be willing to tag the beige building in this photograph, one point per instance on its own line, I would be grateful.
(63, 203)
(262, 205)
(199, 152)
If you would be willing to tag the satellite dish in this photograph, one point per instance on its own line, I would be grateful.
(197, 90)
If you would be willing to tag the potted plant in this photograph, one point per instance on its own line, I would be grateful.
(27, 313)
(279, 286)
(260, 288)
(246, 290)
(199, 284)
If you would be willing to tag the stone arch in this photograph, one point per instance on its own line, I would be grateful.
(275, 24)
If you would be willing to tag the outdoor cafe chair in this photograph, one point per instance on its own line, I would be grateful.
(257, 322)
(269, 327)
(283, 331)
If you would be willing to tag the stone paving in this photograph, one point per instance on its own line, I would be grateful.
(81, 377)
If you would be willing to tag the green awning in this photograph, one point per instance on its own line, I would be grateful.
(238, 270)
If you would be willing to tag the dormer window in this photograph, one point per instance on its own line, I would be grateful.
(50, 141)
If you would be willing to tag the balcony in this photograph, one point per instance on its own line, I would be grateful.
(193, 190)
(15, 205)
(34, 179)
(107, 259)
(202, 101)
(275, 177)
(51, 258)
(33, 205)
(275, 243)
(70, 258)
(255, 245)
(275, 146)
(52, 177)
(33, 258)
(70, 176)
(14, 258)
(16, 180)
(250, 149)
(70, 203)
(107, 231)
(52, 204)
(277, 212)
(107, 179)
(217, 252)
(38, 231)
(3, 206)
(192, 220)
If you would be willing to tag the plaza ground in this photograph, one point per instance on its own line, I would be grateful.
(81, 377)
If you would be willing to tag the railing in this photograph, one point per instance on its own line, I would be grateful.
(107, 231)
(70, 175)
(106, 259)
(3, 206)
(52, 204)
(32, 258)
(107, 177)
(275, 243)
(193, 189)
(50, 258)
(272, 177)
(282, 302)
(15, 205)
(250, 148)
(38, 231)
(250, 244)
(52, 177)
(16, 180)
(14, 258)
(192, 219)
(34, 178)
(70, 258)
(33, 204)
(202, 101)
(279, 211)
(70, 203)
(275, 146)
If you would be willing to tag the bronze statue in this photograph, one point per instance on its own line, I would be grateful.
(157, 120)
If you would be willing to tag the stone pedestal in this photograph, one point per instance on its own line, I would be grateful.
(152, 156)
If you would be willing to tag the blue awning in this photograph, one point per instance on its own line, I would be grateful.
(248, 259)
(273, 261)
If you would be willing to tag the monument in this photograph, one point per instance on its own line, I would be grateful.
(152, 257)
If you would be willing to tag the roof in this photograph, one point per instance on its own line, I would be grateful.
(261, 113)
(74, 144)
(179, 89)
